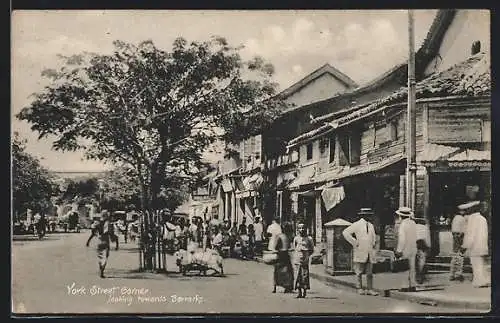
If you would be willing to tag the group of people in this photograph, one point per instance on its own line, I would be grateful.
(470, 237)
(214, 234)
(291, 270)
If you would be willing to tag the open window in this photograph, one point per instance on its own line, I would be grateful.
(332, 148)
(344, 155)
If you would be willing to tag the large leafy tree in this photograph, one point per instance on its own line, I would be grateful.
(32, 184)
(155, 111)
(119, 188)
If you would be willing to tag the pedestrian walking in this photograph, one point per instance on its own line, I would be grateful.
(103, 246)
(94, 231)
(407, 245)
(423, 247)
(259, 232)
(475, 243)
(458, 227)
(361, 235)
(273, 231)
(283, 270)
(303, 246)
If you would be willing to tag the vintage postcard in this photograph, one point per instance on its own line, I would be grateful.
(289, 162)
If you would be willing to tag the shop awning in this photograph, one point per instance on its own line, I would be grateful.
(238, 184)
(284, 179)
(434, 152)
(344, 172)
(332, 196)
(250, 186)
(308, 193)
(454, 156)
(305, 176)
(226, 185)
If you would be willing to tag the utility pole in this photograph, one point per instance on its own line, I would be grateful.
(411, 167)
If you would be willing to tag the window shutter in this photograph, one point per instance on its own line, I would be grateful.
(355, 148)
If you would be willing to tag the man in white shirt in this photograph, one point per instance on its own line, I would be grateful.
(361, 235)
(273, 231)
(259, 231)
(457, 231)
(475, 243)
(407, 244)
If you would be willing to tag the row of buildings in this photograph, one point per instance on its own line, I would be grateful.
(343, 146)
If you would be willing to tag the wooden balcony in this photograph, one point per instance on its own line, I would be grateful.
(281, 161)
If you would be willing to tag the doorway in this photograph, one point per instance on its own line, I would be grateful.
(447, 190)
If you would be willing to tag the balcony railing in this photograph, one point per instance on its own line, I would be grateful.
(281, 161)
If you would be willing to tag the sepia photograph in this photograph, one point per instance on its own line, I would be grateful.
(181, 162)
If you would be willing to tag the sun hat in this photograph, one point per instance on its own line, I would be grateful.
(404, 212)
(468, 206)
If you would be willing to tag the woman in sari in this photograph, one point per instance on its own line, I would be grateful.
(304, 247)
(283, 270)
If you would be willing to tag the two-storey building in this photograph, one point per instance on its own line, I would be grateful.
(361, 155)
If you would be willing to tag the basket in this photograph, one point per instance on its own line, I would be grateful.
(270, 257)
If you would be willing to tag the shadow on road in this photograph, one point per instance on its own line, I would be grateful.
(34, 238)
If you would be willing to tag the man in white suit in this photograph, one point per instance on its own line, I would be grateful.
(361, 235)
(407, 244)
(476, 242)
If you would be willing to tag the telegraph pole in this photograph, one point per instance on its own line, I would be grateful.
(411, 167)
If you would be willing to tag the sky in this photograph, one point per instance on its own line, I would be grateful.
(363, 44)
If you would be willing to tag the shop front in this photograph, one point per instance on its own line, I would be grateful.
(447, 191)
(247, 196)
(461, 176)
(304, 198)
(376, 186)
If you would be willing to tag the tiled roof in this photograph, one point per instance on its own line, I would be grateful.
(471, 77)
(449, 82)
(428, 50)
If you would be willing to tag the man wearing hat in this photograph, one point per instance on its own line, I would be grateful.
(361, 235)
(407, 244)
(475, 242)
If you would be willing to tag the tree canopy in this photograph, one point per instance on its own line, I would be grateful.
(32, 184)
(155, 111)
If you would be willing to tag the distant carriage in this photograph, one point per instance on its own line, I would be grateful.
(70, 222)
